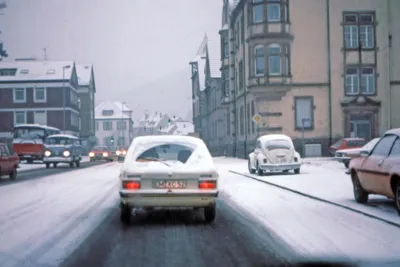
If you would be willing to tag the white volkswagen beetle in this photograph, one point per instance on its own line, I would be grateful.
(168, 171)
(274, 152)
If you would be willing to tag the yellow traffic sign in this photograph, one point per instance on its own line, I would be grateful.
(257, 118)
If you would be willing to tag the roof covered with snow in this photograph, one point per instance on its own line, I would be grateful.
(32, 70)
(151, 120)
(183, 128)
(115, 107)
(214, 53)
(84, 73)
(62, 136)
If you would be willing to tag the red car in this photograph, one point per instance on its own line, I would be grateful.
(8, 162)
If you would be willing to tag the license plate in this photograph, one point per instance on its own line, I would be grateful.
(167, 184)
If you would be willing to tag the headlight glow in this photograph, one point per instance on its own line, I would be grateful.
(124, 152)
(105, 154)
(47, 153)
(91, 154)
(118, 152)
(66, 153)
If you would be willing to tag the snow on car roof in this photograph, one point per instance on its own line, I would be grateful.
(268, 137)
(63, 136)
(28, 125)
(168, 138)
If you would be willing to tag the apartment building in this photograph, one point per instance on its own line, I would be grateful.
(42, 92)
(322, 69)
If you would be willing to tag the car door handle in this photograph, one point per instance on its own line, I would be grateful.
(380, 162)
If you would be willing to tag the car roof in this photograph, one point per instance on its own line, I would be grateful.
(353, 138)
(395, 131)
(167, 138)
(63, 136)
(268, 137)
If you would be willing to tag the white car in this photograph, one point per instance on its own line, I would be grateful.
(274, 152)
(168, 172)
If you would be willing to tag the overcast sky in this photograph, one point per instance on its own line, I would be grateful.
(140, 49)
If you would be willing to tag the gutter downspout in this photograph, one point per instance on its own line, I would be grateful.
(328, 30)
(389, 7)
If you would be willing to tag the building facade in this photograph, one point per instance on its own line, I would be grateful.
(87, 92)
(318, 69)
(158, 123)
(42, 92)
(114, 124)
(208, 111)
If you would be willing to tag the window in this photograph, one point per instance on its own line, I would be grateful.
(241, 120)
(75, 120)
(253, 125)
(383, 146)
(274, 60)
(304, 112)
(121, 125)
(224, 46)
(353, 77)
(242, 29)
(225, 75)
(97, 125)
(19, 117)
(39, 95)
(107, 125)
(19, 95)
(274, 11)
(259, 60)
(395, 152)
(24, 71)
(359, 30)
(248, 118)
(121, 141)
(241, 75)
(258, 11)
(108, 112)
(40, 117)
(228, 123)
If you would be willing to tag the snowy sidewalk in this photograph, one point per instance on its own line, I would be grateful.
(332, 186)
(24, 167)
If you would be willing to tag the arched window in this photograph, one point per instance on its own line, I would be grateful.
(274, 60)
(259, 60)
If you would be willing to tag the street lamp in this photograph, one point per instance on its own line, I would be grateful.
(64, 102)
(122, 122)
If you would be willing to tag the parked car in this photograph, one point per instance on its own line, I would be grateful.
(8, 162)
(274, 152)
(62, 148)
(378, 171)
(345, 143)
(100, 153)
(168, 171)
(121, 153)
(345, 155)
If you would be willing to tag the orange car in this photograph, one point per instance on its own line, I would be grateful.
(100, 153)
(345, 143)
(378, 171)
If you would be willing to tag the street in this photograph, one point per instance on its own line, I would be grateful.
(72, 219)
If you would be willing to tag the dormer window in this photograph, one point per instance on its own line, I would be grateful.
(24, 71)
(108, 112)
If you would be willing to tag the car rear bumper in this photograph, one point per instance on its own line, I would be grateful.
(343, 159)
(57, 159)
(30, 157)
(153, 199)
(280, 167)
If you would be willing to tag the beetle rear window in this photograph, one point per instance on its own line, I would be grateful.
(275, 144)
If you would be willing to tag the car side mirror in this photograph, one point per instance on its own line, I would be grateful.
(364, 153)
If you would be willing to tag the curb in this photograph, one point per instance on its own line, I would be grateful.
(318, 199)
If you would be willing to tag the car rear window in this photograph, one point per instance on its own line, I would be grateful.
(353, 143)
(166, 152)
(276, 144)
(338, 143)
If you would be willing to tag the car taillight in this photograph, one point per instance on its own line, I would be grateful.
(207, 184)
(131, 185)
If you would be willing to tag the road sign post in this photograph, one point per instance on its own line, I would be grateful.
(257, 119)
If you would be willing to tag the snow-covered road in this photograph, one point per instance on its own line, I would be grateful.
(43, 221)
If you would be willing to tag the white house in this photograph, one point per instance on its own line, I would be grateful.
(114, 124)
(152, 125)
